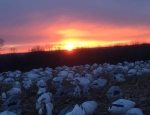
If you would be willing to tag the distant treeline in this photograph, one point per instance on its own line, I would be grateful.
(41, 59)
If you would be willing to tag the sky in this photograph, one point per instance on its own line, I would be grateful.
(25, 24)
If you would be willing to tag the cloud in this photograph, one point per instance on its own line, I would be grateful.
(35, 22)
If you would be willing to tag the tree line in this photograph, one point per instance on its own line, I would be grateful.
(43, 59)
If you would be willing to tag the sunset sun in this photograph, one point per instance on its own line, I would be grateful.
(69, 47)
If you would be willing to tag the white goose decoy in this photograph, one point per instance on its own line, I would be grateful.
(46, 109)
(69, 108)
(17, 84)
(134, 111)
(80, 81)
(41, 90)
(98, 83)
(114, 92)
(8, 80)
(89, 107)
(12, 101)
(1, 78)
(41, 84)
(27, 83)
(70, 76)
(131, 73)
(14, 91)
(121, 106)
(7, 113)
(77, 91)
(119, 78)
(77, 110)
(4, 97)
(86, 90)
(44, 98)
(57, 80)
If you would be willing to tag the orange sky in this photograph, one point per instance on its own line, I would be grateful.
(73, 27)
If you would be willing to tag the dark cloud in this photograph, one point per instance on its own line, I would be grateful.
(115, 12)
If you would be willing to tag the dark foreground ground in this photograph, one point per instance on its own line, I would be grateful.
(136, 89)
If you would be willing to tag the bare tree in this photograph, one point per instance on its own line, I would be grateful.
(48, 47)
(37, 48)
(1, 42)
(13, 50)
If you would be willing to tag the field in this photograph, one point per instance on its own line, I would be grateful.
(136, 89)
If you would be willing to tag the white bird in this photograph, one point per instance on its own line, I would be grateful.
(8, 80)
(69, 108)
(27, 83)
(119, 77)
(114, 92)
(98, 83)
(46, 109)
(77, 110)
(86, 90)
(80, 81)
(134, 111)
(7, 113)
(89, 107)
(131, 73)
(77, 91)
(121, 106)
(44, 98)
(17, 84)
(1, 78)
(41, 84)
(14, 91)
(4, 97)
(41, 90)
(57, 80)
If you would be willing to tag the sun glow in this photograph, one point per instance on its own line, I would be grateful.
(69, 47)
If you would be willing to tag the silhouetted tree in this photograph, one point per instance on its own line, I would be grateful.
(48, 47)
(13, 50)
(1, 42)
(37, 48)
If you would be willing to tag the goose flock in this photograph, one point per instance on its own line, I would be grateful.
(77, 90)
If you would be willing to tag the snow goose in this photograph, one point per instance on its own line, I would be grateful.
(77, 91)
(44, 98)
(86, 90)
(27, 83)
(77, 110)
(134, 111)
(114, 92)
(8, 81)
(80, 81)
(1, 78)
(121, 106)
(41, 84)
(63, 74)
(70, 76)
(89, 107)
(7, 113)
(16, 109)
(4, 97)
(68, 109)
(46, 109)
(12, 101)
(57, 80)
(118, 77)
(131, 73)
(98, 83)
(14, 91)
